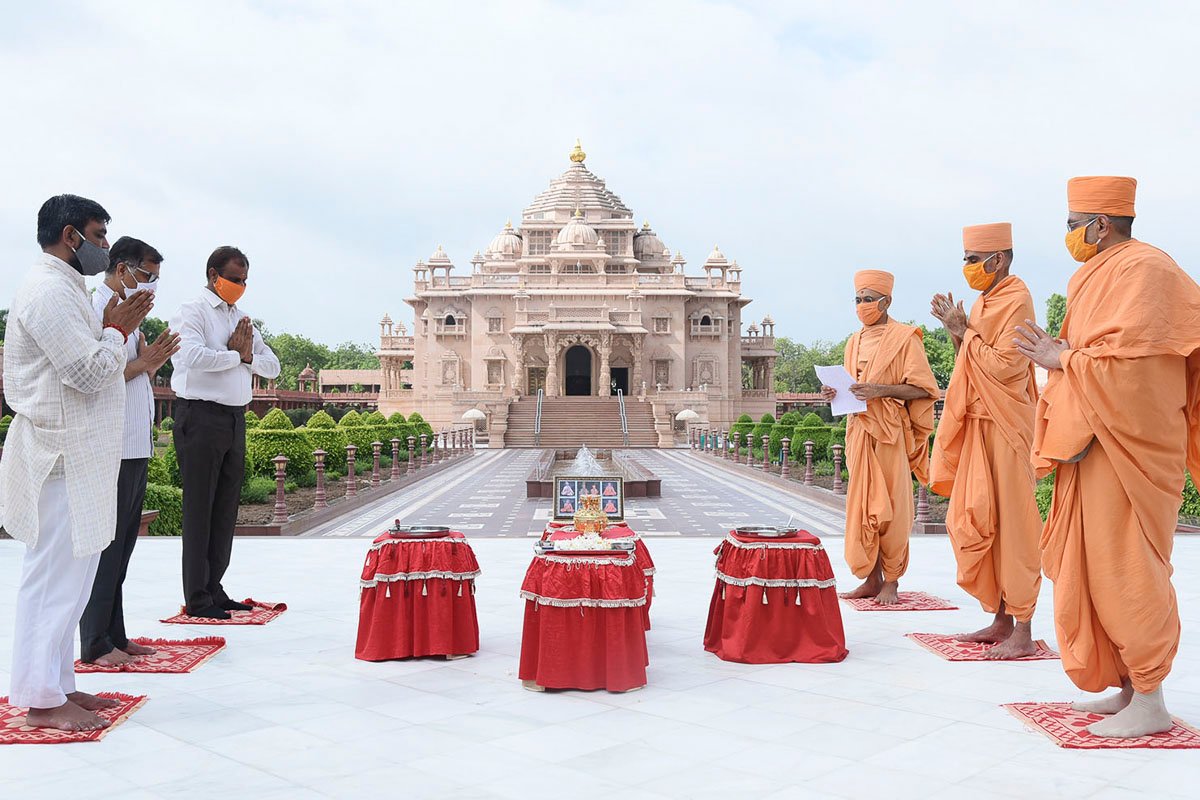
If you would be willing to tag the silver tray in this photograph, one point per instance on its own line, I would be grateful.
(417, 531)
(768, 531)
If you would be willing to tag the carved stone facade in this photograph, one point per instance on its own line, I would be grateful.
(577, 300)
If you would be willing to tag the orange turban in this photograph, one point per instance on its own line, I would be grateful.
(1102, 194)
(874, 279)
(988, 238)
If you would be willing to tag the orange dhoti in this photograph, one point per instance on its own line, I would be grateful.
(1125, 407)
(981, 457)
(885, 446)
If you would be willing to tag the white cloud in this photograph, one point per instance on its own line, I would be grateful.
(339, 143)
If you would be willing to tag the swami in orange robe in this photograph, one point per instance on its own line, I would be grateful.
(981, 451)
(1119, 422)
(888, 443)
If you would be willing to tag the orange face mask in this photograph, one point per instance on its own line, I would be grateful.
(229, 291)
(1080, 249)
(977, 277)
(869, 313)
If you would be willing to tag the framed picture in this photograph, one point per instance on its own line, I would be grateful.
(569, 490)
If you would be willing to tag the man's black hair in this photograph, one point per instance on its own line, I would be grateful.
(221, 258)
(1122, 225)
(131, 251)
(67, 209)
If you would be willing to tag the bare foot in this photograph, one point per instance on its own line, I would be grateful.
(532, 686)
(89, 702)
(869, 588)
(1019, 645)
(135, 649)
(1000, 630)
(1146, 714)
(889, 593)
(113, 658)
(67, 717)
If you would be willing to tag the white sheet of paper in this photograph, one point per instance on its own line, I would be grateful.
(838, 378)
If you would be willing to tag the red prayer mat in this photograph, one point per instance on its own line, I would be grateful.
(174, 655)
(261, 615)
(909, 601)
(13, 729)
(1066, 728)
(950, 649)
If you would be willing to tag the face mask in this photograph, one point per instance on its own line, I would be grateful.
(92, 259)
(870, 313)
(229, 291)
(1080, 249)
(977, 277)
(139, 287)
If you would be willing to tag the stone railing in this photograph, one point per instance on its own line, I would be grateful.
(542, 280)
(403, 344)
(758, 343)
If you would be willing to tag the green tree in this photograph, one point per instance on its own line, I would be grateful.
(350, 355)
(295, 352)
(940, 352)
(152, 328)
(1056, 309)
(794, 367)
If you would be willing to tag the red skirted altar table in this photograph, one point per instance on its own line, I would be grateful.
(584, 621)
(418, 598)
(557, 531)
(775, 601)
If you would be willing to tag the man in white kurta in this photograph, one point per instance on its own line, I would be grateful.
(63, 377)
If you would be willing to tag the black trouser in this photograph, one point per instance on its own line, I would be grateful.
(210, 443)
(102, 626)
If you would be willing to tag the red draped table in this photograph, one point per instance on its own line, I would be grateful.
(418, 598)
(775, 601)
(585, 624)
(557, 531)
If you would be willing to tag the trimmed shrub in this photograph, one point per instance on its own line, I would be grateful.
(374, 418)
(350, 419)
(276, 420)
(742, 427)
(397, 419)
(252, 419)
(323, 434)
(821, 436)
(1045, 493)
(158, 472)
(419, 425)
(767, 419)
(780, 431)
(170, 458)
(256, 490)
(812, 420)
(167, 424)
(791, 418)
(168, 502)
(274, 436)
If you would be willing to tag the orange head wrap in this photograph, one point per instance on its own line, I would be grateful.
(988, 238)
(874, 279)
(1102, 194)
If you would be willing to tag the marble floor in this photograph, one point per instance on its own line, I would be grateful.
(285, 711)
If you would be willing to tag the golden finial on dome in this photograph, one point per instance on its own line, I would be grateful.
(645, 224)
(577, 155)
(578, 214)
(508, 225)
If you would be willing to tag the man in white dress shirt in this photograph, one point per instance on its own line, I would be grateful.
(58, 477)
(133, 267)
(219, 353)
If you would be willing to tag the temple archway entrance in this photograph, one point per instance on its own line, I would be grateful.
(620, 379)
(577, 372)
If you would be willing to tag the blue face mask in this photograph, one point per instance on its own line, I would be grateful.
(92, 259)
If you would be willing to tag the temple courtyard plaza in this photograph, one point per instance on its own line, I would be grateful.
(286, 711)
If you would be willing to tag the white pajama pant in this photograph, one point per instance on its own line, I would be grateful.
(55, 587)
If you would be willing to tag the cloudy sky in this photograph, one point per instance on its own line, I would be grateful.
(337, 143)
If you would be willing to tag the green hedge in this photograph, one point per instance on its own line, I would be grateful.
(419, 426)
(812, 420)
(792, 418)
(257, 490)
(252, 419)
(275, 436)
(779, 432)
(821, 436)
(167, 424)
(1191, 499)
(168, 502)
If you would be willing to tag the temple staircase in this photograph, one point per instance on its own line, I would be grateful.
(568, 422)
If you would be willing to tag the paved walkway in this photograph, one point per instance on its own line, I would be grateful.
(485, 496)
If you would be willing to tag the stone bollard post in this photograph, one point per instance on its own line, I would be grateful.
(395, 459)
(351, 476)
(749, 449)
(784, 446)
(922, 505)
(319, 501)
(691, 438)
(766, 465)
(737, 438)
(376, 448)
(838, 486)
(424, 452)
(412, 440)
(281, 515)
(808, 463)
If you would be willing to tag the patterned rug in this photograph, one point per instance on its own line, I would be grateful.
(1065, 727)
(173, 655)
(261, 615)
(13, 729)
(909, 601)
(952, 650)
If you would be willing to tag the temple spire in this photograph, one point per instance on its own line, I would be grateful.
(577, 155)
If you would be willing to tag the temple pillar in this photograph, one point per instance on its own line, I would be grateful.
(551, 365)
(605, 369)
(635, 349)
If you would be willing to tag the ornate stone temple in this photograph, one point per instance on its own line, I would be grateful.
(577, 301)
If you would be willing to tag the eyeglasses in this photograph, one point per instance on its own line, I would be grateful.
(150, 277)
(860, 300)
(1075, 225)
